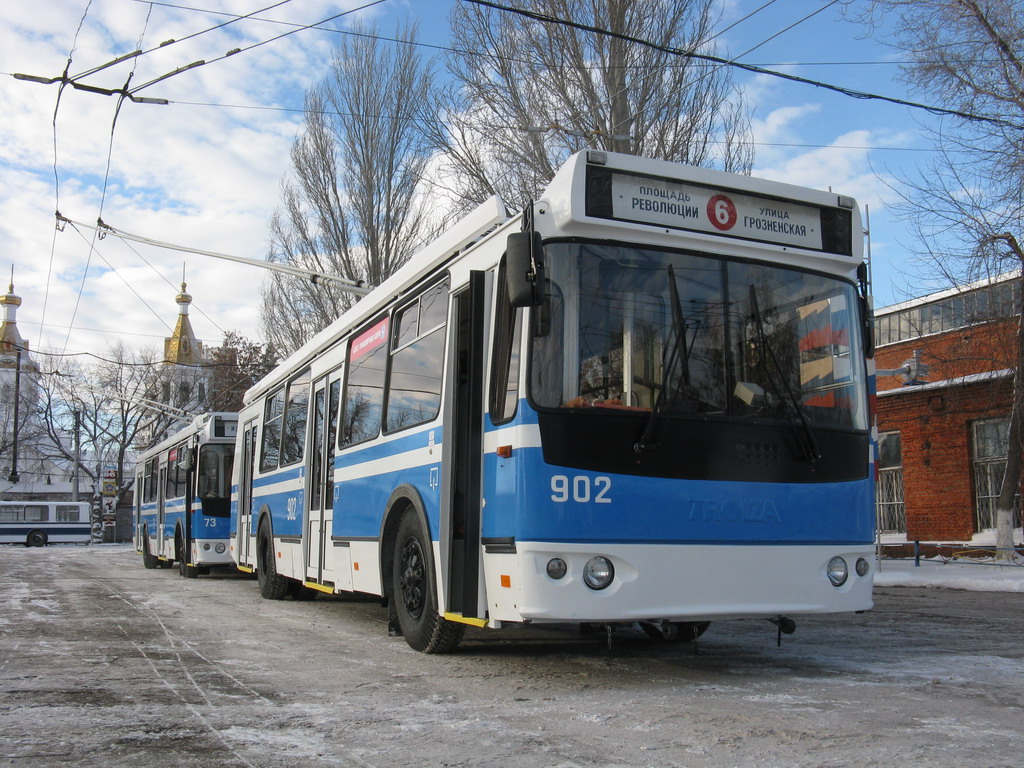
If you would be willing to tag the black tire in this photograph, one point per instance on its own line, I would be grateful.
(299, 591)
(678, 631)
(413, 593)
(148, 561)
(35, 539)
(185, 570)
(166, 563)
(273, 586)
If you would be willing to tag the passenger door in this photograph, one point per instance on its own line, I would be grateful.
(161, 534)
(244, 509)
(319, 515)
(463, 452)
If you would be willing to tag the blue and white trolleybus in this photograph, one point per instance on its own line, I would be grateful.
(183, 496)
(644, 400)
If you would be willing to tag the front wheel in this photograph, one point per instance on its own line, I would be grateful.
(413, 593)
(36, 539)
(184, 569)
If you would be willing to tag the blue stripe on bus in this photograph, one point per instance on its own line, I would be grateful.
(527, 499)
(563, 504)
(51, 529)
(279, 476)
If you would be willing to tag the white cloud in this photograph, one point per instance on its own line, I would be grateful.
(193, 174)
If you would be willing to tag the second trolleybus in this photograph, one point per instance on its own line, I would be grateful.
(183, 497)
(644, 399)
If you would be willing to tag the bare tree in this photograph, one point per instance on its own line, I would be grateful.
(967, 206)
(20, 450)
(236, 365)
(350, 206)
(116, 410)
(527, 94)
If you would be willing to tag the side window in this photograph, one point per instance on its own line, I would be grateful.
(364, 387)
(273, 415)
(417, 360)
(67, 513)
(146, 485)
(182, 486)
(171, 478)
(154, 479)
(37, 513)
(504, 390)
(295, 412)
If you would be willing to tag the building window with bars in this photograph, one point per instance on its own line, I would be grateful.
(890, 511)
(990, 443)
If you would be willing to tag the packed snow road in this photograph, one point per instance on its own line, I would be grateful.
(104, 663)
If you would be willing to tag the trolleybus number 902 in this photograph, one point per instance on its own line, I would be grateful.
(581, 488)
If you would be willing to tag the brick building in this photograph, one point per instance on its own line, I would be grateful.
(944, 392)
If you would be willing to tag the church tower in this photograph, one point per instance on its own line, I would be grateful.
(186, 373)
(183, 348)
(11, 340)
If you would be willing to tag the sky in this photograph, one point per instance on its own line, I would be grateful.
(205, 170)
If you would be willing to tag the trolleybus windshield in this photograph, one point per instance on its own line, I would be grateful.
(690, 335)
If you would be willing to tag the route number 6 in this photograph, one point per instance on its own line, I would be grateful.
(581, 488)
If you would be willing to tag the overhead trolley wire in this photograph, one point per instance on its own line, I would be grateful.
(748, 67)
(56, 173)
(235, 51)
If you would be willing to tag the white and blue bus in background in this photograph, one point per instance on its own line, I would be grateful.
(38, 523)
(183, 497)
(644, 400)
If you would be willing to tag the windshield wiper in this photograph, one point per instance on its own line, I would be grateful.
(677, 351)
(805, 436)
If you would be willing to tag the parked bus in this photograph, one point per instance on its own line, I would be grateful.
(643, 400)
(38, 523)
(183, 497)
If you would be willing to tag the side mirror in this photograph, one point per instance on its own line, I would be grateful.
(525, 269)
(867, 316)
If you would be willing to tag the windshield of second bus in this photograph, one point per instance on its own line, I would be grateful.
(214, 476)
(686, 334)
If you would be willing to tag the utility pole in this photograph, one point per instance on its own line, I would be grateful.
(78, 455)
(14, 476)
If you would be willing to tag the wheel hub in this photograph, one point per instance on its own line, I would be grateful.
(412, 577)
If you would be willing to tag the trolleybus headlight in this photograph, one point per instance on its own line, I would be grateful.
(837, 571)
(598, 572)
(557, 568)
(220, 549)
(862, 567)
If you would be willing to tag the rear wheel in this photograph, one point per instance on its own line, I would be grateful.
(273, 586)
(148, 560)
(413, 593)
(35, 539)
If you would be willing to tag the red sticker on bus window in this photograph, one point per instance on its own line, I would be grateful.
(368, 340)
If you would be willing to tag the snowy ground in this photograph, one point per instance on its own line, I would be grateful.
(103, 663)
(974, 575)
